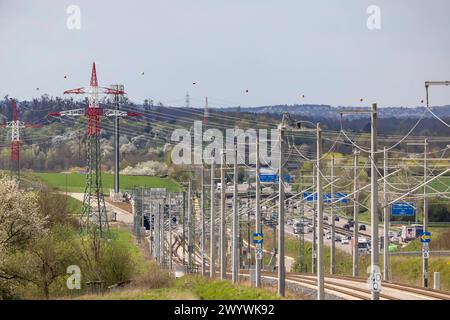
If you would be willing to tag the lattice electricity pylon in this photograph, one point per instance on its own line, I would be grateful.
(15, 125)
(94, 207)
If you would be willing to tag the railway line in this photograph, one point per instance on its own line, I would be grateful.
(344, 287)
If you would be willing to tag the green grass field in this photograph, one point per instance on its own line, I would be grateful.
(76, 181)
(190, 288)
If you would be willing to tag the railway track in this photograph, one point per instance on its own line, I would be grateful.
(346, 287)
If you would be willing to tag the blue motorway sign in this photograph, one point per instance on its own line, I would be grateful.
(258, 238)
(273, 178)
(327, 198)
(268, 177)
(308, 196)
(341, 197)
(403, 209)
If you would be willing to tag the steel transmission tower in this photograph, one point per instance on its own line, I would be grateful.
(206, 112)
(188, 100)
(15, 125)
(94, 208)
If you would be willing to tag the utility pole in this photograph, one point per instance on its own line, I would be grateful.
(320, 260)
(170, 232)
(152, 227)
(386, 219)
(190, 240)
(258, 260)
(355, 214)
(203, 238)
(235, 228)
(163, 232)
(212, 241)
(425, 209)
(158, 233)
(375, 253)
(184, 228)
(375, 274)
(281, 235)
(249, 240)
(118, 88)
(142, 215)
(314, 233)
(223, 235)
(333, 224)
(150, 212)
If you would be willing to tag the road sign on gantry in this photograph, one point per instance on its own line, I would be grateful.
(403, 209)
(274, 178)
(425, 237)
(258, 238)
(342, 197)
(308, 196)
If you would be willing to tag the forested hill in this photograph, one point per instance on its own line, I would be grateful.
(395, 120)
(332, 113)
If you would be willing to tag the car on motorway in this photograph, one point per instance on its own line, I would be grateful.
(393, 234)
(274, 216)
(328, 236)
(325, 218)
(298, 227)
(337, 238)
(344, 241)
(347, 226)
(362, 227)
(393, 248)
(351, 223)
(336, 218)
(395, 239)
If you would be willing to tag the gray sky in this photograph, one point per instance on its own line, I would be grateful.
(278, 50)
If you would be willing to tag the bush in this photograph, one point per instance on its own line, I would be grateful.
(155, 278)
(116, 265)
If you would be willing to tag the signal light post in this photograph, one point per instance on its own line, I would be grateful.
(375, 276)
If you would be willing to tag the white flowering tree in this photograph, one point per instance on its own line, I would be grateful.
(147, 168)
(21, 222)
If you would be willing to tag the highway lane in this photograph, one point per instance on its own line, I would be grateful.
(122, 215)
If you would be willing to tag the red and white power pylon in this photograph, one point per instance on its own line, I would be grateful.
(94, 209)
(15, 126)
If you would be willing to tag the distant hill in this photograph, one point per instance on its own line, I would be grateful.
(331, 113)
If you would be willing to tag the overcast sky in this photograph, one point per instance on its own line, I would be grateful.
(279, 50)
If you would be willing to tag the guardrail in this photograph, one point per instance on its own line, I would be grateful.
(437, 253)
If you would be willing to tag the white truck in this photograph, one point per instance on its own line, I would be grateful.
(363, 246)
